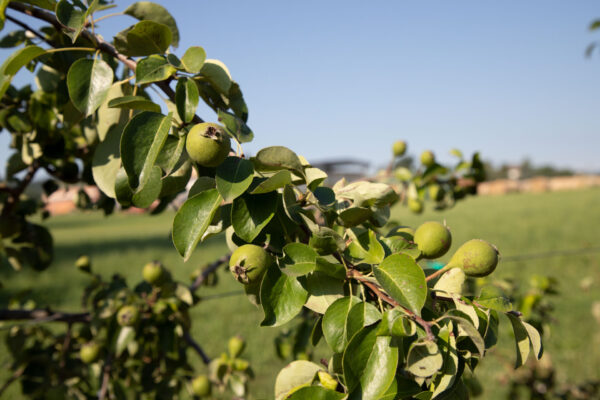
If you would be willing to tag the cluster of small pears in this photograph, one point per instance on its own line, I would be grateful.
(476, 257)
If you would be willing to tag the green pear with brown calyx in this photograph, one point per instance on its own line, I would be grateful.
(249, 262)
(476, 258)
(208, 144)
(433, 239)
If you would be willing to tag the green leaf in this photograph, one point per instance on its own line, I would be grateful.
(424, 358)
(88, 82)
(335, 323)
(192, 220)
(281, 296)
(49, 5)
(314, 177)
(193, 59)
(521, 340)
(396, 323)
(279, 157)
(367, 194)
(361, 315)
(404, 280)
(236, 127)
(251, 213)
(366, 248)
(233, 177)
(278, 180)
(141, 142)
(354, 216)
(14, 38)
(369, 363)
(535, 340)
(107, 161)
(123, 192)
(146, 195)
(143, 39)
(299, 259)
(146, 10)
(3, 4)
(401, 388)
(107, 117)
(134, 103)
(153, 68)
(316, 393)
(323, 291)
(450, 367)
(492, 297)
(296, 374)
(71, 17)
(467, 329)
(183, 293)
(217, 74)
(186, 99)
(126, 336)
(15, 62)
(451, 281)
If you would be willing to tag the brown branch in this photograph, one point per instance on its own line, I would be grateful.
(355, 274)
(105, 378)
(194, 345)
(30, 29)
(16, 375)
(44, 315)
(97, 41)
(16, 192)
(209, 269)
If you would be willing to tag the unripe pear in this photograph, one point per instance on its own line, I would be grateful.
(433, 239)
(236, 346)
(89, 352)
(127, 316)
(84, 264)
(415, 205)
(476, 258)
(327, 380)
(249, 262)
(154, 273)
(201, 386)
(207, 144)
(399, 148)
(427, 158)
(436, 192)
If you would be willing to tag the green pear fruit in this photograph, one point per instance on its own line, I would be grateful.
(236, 346)
(84, 264)
(127, 316)
(201, 386)
(327, 381)
(399, 148)
(154, 273)
(89, 352)
(415, 205)
(249, 262)
(207, 144)
(476, 258)
(427, 158)
(433, 239)
(436, 192)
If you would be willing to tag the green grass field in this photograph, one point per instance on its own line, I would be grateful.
(518, 224)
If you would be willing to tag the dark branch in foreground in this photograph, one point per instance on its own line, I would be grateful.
(194, 345)
(209, 269)
(43, 315)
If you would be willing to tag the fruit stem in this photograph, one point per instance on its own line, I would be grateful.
(438, 273)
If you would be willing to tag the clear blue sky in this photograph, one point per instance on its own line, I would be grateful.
(347, 78)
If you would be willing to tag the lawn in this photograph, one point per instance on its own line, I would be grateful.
(518, 224)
